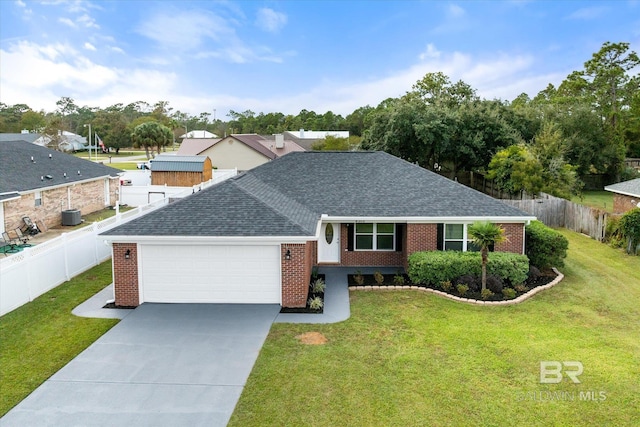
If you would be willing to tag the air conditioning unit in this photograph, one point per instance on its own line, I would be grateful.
(71, 217)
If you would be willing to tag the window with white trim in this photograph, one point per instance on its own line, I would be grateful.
(375, 237)
(456, 238)
(38, 198)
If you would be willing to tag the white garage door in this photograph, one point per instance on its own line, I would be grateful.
(211, 274)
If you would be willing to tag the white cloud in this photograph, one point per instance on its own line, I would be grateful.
(588, 13)
(89, 46)
(455, 10)
(185, 30)
(431, 52)
(68, 22)
(270, 20)
(88, 21)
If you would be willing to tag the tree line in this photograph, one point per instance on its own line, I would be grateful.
(586, 125)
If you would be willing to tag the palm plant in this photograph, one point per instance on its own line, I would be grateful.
(484, 235)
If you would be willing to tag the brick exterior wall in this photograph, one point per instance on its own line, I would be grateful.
(125, 275)
(420, 237)
(515, 239)
(366, 258)
(622, 203)
(87, 197)
(296, 272)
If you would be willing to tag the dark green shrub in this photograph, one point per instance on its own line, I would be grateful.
(398, 280)
(486, 294)
(433, 267)
(473, 282)
(630, 229)
(379, 278)
(494, 283)
(544, 246)
(509, 293)
(534, 272)
(462, 289)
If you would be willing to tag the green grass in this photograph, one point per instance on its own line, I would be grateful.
(406, 358)
(125, 166)
(39, 338)
(596, 199)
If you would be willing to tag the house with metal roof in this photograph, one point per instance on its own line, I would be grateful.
(180, 171)
(626, 195)
(255, 238)
(40, 183)
(239, 151)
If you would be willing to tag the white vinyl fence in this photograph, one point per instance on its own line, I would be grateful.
(138, 195)
(35, 270)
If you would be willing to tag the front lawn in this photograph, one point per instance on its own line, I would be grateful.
(408, 358)
(39, 338)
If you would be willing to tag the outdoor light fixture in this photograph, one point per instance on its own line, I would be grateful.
(287, 255)
(127, 254)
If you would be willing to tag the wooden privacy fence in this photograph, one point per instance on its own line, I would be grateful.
(556, 212)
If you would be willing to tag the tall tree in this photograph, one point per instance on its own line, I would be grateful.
(151, 134)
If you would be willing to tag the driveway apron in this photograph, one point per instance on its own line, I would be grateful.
(162, 365)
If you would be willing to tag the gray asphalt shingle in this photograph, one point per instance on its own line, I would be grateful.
(287, 196)
(19, 173)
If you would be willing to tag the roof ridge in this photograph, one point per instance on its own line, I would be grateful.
(270, 202)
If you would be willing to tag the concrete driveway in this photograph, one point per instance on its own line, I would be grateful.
(162, 365)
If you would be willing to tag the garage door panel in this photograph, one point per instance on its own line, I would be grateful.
(216, 274)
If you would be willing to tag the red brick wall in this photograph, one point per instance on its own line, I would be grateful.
(366, 258)
(87, 197)
(125, 275)
(296, 273)
(420, 237)
(622, 203)
(515, 239)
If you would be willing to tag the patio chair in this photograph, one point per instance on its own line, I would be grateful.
(30, 227)
(24, 238)
(9, 245)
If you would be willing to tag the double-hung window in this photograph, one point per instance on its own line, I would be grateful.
(375, 237)
(456, 238)
(38, 198)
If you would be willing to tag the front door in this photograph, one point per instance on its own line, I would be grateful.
(329, 243)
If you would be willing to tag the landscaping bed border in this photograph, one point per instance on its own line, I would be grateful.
(517, 300)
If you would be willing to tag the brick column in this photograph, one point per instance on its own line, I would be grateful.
(125, 275)
(296, 273)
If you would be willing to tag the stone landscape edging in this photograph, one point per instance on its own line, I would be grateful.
(517, 300)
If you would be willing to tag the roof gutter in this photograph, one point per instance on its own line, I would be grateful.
(428, 219)
(624, 193)
(205, 240)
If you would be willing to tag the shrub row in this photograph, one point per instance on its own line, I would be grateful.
(544, 246)
(434, 267)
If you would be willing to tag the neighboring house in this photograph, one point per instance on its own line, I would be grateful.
(256, 237)
(40, 183)
(180, 171)
(239, 151)
(199, 134)
(306, 138)
(626, 195)
(34, 138)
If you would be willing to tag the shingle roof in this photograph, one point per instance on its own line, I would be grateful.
(195, 146)
(286, 197)
(29, 137)
(171, 163)
(18, 173)
(628, 188)
(252, 140)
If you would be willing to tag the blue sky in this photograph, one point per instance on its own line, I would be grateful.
(286, 56)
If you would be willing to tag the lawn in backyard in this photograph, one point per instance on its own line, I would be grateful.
(39, 338)
(406, 358)
(595, 199)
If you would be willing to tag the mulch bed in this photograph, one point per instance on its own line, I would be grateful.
(389, 280)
